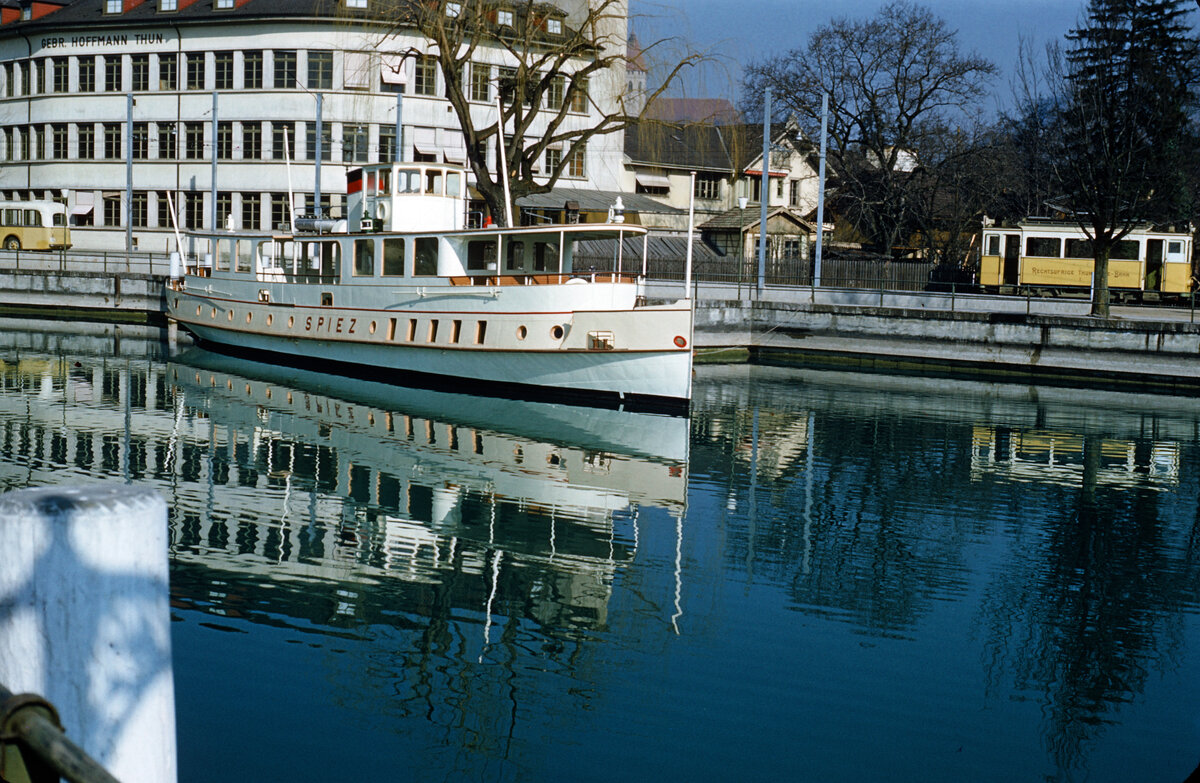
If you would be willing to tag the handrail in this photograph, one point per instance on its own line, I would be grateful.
(33, 747)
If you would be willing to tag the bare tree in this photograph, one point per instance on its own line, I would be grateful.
(547, 61)
(896, 83)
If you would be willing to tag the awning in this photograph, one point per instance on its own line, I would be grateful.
(81, 209)
(84, 200)
(758, 173)
(357, 69)
(455, 148)
(425, 141)
(391, 69)
(648, 180)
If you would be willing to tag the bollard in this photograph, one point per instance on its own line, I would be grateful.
(85, 623)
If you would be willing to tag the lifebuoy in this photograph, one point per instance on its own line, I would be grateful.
(381, 210)
(680, 341)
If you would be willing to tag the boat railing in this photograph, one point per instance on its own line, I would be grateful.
(34, 747)
(542, 279)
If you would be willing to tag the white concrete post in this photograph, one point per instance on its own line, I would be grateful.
(85, 620)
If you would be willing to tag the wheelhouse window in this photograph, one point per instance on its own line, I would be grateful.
(481, 255)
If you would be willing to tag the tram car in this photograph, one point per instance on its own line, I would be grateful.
(1055, 258)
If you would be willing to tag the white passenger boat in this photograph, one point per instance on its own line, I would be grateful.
(415, 297)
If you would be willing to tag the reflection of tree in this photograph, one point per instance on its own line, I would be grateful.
(1089, 605)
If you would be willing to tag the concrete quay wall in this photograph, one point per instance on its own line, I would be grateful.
(1114, 351)
(107, 295)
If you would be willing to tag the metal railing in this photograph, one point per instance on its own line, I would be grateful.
(102, 261)
(33, 747)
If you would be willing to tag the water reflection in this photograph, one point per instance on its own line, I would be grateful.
(887, 576)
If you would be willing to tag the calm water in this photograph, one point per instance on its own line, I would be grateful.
(827, 577)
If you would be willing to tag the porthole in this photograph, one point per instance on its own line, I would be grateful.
(249, 316)
(270, 319)
(372, 328)
(522, 332)
(214, 312)
(197, 309)
(291, 320)
(229, 315)
(556, 332)
(177, 303)
(229, 385)
(247, 390)
(268, 393)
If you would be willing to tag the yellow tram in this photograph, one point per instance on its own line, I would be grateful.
(1056, 257)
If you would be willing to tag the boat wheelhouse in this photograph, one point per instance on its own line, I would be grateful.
(419, 298)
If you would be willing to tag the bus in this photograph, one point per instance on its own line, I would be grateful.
(34, 225)
(1055, 257)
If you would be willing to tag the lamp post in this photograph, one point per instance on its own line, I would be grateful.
(742, 202)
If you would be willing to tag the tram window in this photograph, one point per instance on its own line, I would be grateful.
(453, 181)
(364, 257)
(426, 256)
(993, 245)
(393, 257)
(1080, 248)
(481, 255)
(1126, 250)
(59, 218)
(433, 182)
(1044, 247)
(516, 256)
(408, 181)
(1174, 248)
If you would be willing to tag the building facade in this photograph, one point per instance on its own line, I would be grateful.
(121, 108)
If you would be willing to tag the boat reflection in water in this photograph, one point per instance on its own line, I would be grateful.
(338, 480)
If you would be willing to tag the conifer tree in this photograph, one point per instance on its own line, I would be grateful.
(1126, 130)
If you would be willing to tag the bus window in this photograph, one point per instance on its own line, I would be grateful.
(393, 257)
(33, 217)
(364, 257)
(1043, 247)
(12, 217)
(453, 180)
(59, 218)
(426, 256)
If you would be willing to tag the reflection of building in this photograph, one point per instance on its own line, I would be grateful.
(1048, 457)
(296, 486)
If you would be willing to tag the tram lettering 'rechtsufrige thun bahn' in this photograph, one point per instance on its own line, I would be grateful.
(412, 296)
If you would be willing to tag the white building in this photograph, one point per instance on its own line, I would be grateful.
(85, 85)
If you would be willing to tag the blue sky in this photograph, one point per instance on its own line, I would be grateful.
(741, 30)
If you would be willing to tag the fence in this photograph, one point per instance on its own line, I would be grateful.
(103, 261)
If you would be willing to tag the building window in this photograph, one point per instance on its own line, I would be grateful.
(252, 70)
(20, 144)
(504, 18)
(60, 74)
(575, 166)
(224, 5)
(194, 63)
(39, 74)
(356, 3)
(141, 140)
(320, 70)
(87, 74)
(579, 98)
(139, 209)
(193, 210)
(167, 145)
(354, 143)
(251, 211)
(23, 70)
(555, 93)
(139, 72)
(251, 141)
(281, 216)
(283, 140)
(794, 197)
(112, 6)
(224, 140)
(112, 140)
(285, 69)
(168, 5)
(193, 140)
(112, 72)
(387, 143)
(223, 70)
(425, 76)
(87, 142)
(553, 158)
(168, 72)
(554, 26)
(112, 210)
(311, 139)
(224, 208)
(39, 142)
(708, 186)
(481, 82)
(58, 141)
(164, 210)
